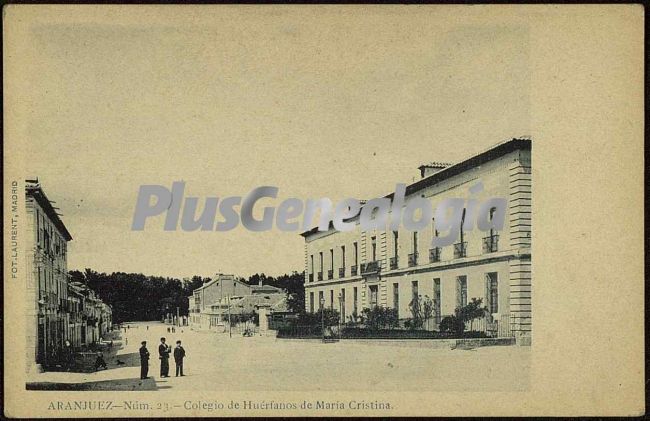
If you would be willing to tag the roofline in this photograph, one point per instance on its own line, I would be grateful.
(36, 191)
(490, 154)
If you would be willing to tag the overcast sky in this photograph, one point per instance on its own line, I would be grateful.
(319, 104)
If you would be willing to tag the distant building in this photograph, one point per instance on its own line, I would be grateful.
(353, 270)
(212, 291)
(211, 303)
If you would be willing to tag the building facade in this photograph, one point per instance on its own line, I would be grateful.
(57, 310)
(213, 302)
(212, 291)
(47, 278)
(353, 270)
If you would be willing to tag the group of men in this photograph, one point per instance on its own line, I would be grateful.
(164, 351)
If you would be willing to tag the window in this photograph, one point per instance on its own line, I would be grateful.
(343, 304)
(395, 242)
(311, 264)
(373, 296)
(356, 299)
(343, 257)
(414, 289)
(462, 231)
(311, 302)
(374, 248)
(332, 260)
(356, 254)
(415, 242)
(331, 298)
(396, 297)
(461, 291)
(492, 292)
(321, 262)
(434, 231)
(492, 211)
(321, 300)
(436, 300)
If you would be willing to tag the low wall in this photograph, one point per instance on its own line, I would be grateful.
(422, 343)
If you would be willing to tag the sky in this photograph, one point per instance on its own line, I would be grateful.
(317, 102)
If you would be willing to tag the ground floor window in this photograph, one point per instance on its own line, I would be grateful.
(311, 302)
(373, 296)
(436, 301)
(396, 298)
(492, 292)
(461, 291)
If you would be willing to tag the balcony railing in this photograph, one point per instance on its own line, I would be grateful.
(330, 274)
(434, 255)
(370, 267)
(342, 272)
(460, 250)
(311, 277)
(394, 262)
(413, 259)
(354, 270)
(320, 276)
(491, 244)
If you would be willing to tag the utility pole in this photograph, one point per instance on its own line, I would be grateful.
(229, 320)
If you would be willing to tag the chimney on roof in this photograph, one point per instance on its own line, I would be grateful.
(432, 168)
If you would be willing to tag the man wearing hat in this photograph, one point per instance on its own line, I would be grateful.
(163, 351)
(144, 360)
(179, 354)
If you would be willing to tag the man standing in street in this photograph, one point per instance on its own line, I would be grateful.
(144, 360)
(164, 351)
(179, 354)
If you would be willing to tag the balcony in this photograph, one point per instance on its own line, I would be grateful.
(311, 277)
(460, 250)
(370, 267)
(434, 254)
(394, 261)
(491, 244)
(320, 276)
(330, 274)
(342, 272)
(354, 270)
(413, 259)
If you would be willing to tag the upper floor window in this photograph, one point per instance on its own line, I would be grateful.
(374, 248)
(415, 242)
(395, 242)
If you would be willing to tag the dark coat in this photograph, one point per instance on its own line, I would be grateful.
(163, 351)
(179, 353)
(144, 353)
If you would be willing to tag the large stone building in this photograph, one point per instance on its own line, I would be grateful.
(56, 310)
(357, 269)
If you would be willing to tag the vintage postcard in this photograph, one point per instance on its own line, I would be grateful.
(239, 210)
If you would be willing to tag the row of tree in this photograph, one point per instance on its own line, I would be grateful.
(135, 296)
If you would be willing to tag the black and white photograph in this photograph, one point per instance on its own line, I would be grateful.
(239, 210)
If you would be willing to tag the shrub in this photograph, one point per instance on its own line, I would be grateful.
(380, 318)
(452, 324)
